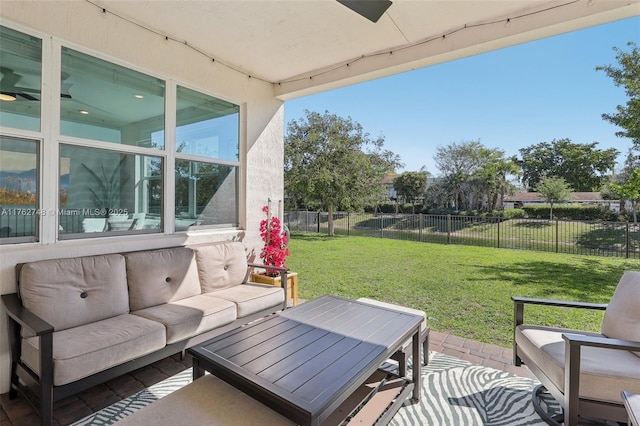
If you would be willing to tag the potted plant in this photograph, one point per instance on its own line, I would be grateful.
(275, 249)
(273, 254)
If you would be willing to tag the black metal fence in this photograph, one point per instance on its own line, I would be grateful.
(619, 239)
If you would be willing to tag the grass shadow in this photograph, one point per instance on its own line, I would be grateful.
(588, 280)
(311, 236)
(532, 224)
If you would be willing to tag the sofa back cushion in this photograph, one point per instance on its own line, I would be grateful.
(76, 291)
(622, 317)
(160, 276)
(221, 265)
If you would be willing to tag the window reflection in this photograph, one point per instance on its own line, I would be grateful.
(107, 102)
(207, 126)
(18, 190)
(103, 191)
(20, 80)
(206, 194)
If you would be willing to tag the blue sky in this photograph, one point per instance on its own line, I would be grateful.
(508, 99)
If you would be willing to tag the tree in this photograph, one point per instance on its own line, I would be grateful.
(457, 162)
(583, 166)
(627, 76)
(631, 163)
(471, 171)
(554, 190)
(331, 163)
(411, 186)
(630, 190)
(495, 174)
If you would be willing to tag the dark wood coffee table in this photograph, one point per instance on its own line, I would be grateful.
(306, 361)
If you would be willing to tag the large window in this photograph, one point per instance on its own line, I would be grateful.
(207, 160)
(104, 172)
(104, 191)
(107, 102)
(19, 210)
(20, 80)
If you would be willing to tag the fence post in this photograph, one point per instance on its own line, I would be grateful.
(382, 226)
(318, 222)
(448, 229)
(420, 223)
(498, 219)
(557, 234)
(627, 239)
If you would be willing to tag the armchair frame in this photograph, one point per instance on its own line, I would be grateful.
(570, 401)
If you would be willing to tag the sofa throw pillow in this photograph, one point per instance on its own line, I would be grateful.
(75, 291)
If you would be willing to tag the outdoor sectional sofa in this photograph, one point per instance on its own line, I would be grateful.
(78, 322)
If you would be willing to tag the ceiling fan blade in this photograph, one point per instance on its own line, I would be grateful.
(23, 95)
(370, 9)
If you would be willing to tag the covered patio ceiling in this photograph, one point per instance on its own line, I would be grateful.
(308, 46)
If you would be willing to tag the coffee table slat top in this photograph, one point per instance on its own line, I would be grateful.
(308, 358)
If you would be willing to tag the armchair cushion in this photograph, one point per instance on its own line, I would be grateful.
(603, 372)
(622, 317)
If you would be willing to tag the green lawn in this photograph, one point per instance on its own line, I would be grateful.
(464, 290)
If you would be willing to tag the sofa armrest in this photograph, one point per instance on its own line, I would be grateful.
(25, 317)
(283, 273)
(263, 266)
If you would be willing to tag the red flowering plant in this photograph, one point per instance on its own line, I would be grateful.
(275, 250)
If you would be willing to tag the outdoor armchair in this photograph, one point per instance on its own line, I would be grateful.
(585, 371)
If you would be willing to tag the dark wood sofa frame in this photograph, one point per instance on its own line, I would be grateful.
(39, 390)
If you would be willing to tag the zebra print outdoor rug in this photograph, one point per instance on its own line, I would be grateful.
(454, 392)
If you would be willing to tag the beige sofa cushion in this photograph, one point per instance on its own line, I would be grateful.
(71, 292)
(622, 317)
(84, 350)
(188, 317)
(251, 298)
(160, 276)
(604, 372)
(221, 265)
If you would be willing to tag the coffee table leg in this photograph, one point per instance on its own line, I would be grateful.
(197, 370)
(417, 364)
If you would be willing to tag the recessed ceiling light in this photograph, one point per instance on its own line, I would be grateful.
(138, 96)
(7, 97)
(84, 112)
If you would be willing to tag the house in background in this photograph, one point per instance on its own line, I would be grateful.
(390, 190)
(522, 199)
(154, 124)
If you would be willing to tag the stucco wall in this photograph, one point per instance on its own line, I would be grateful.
(79, 24)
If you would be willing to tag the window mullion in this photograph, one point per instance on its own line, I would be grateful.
(49, 158)
(170, 160)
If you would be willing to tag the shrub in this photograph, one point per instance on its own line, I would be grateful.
(514, 214)
(564, 212)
